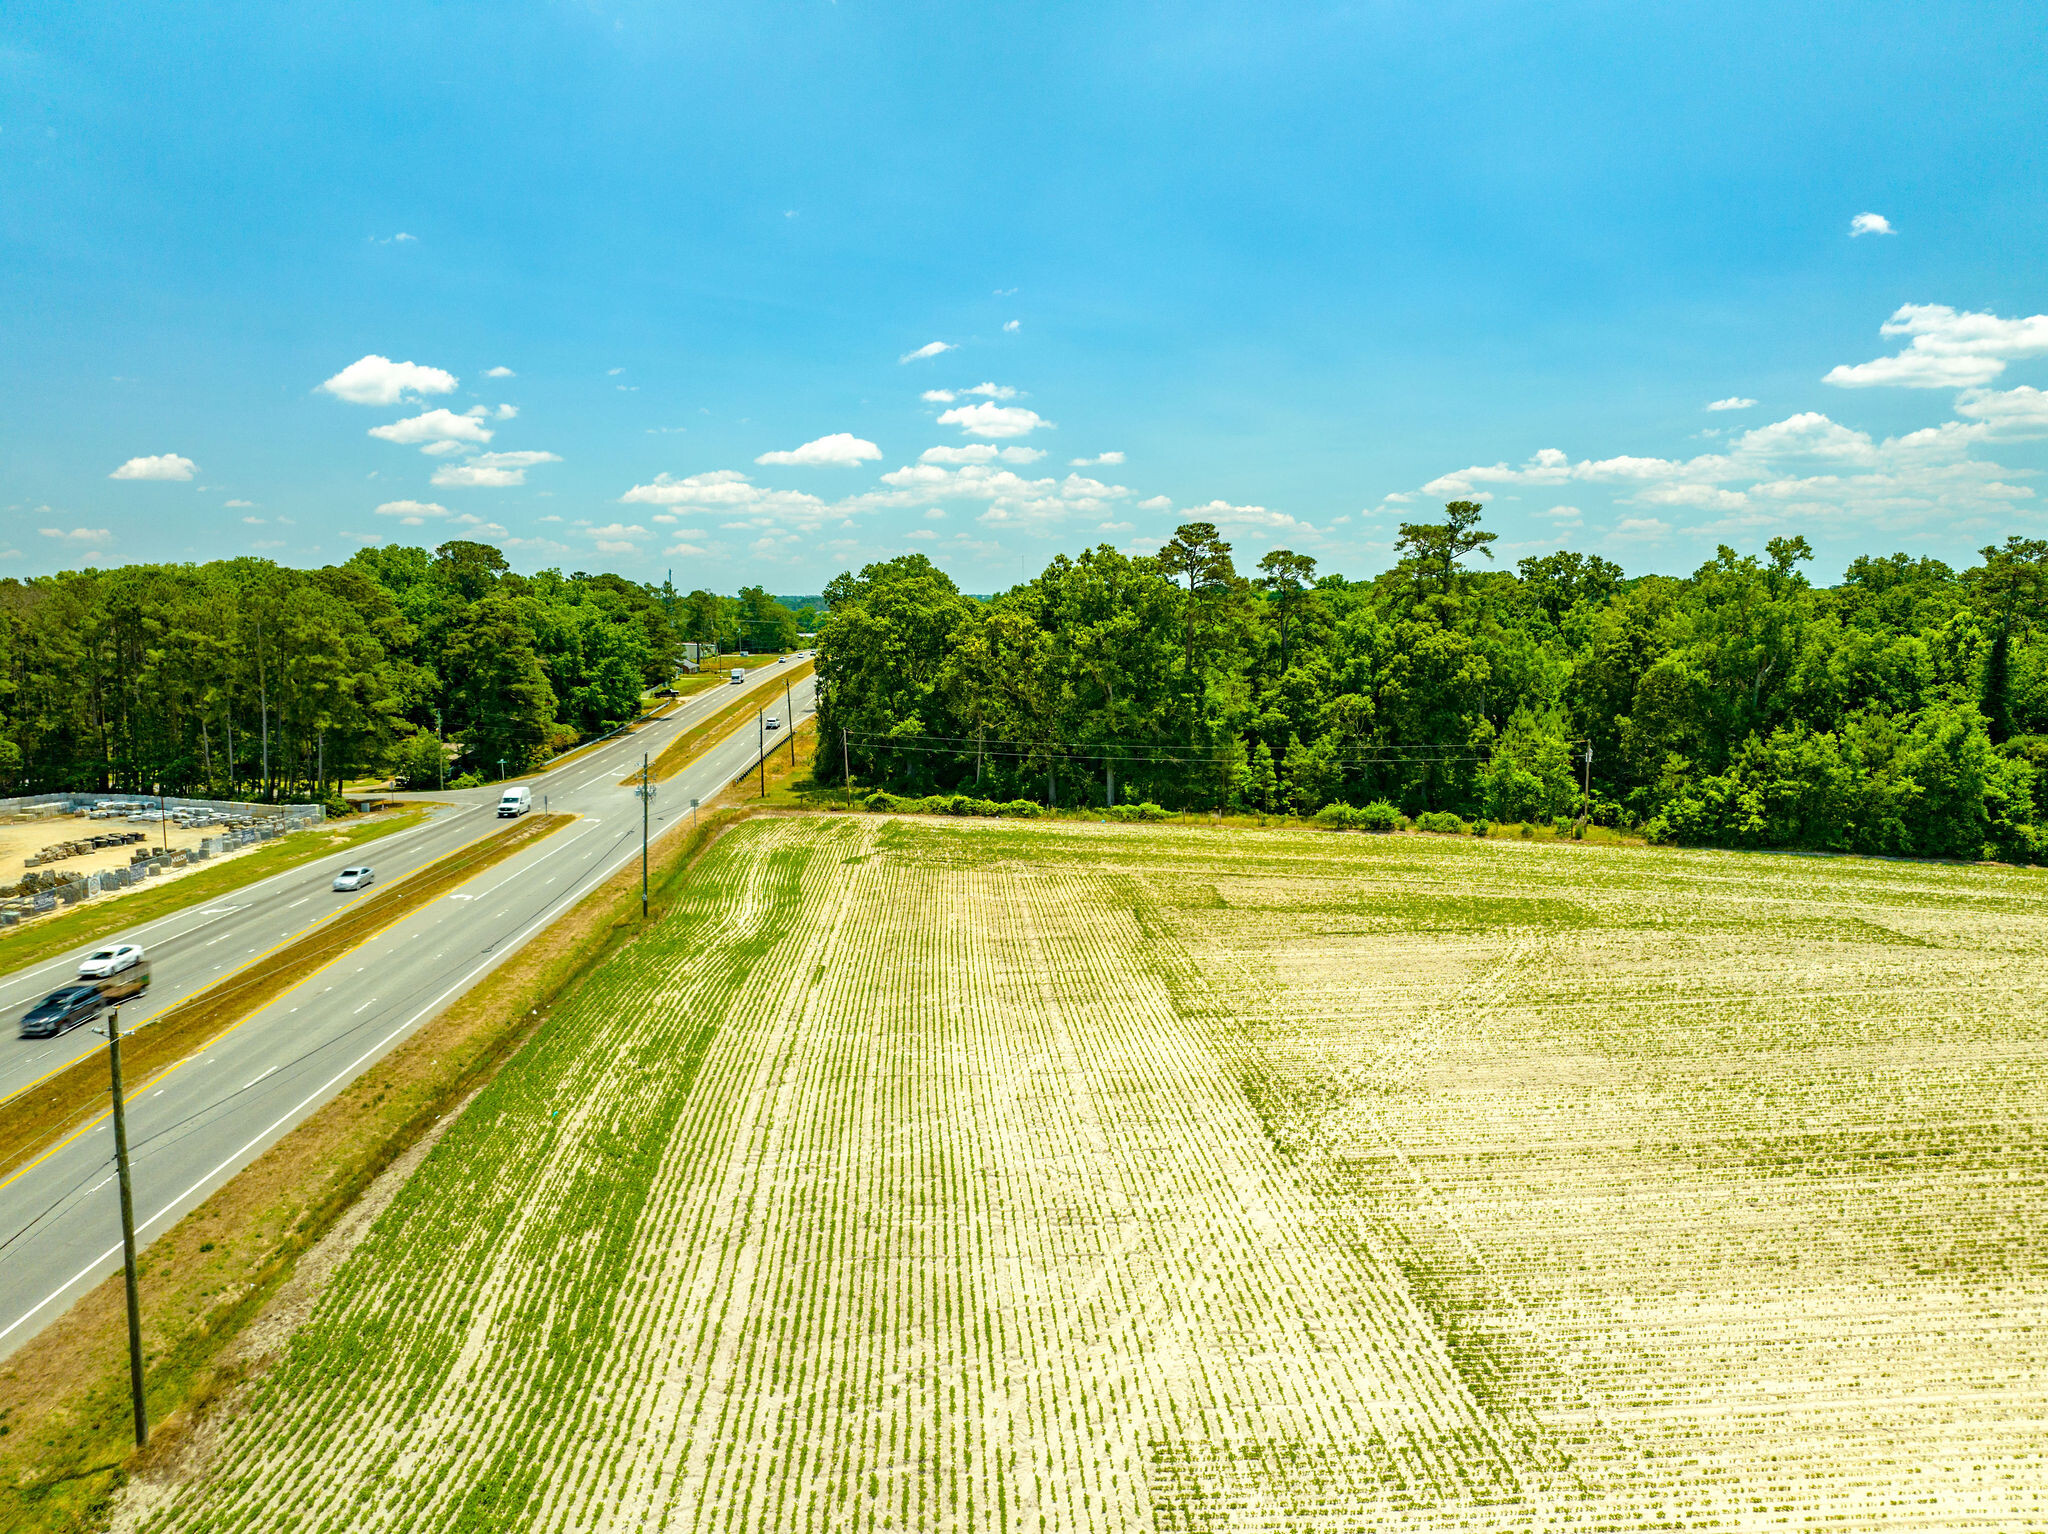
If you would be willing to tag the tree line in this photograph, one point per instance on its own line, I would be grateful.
(242, 677)
(1903, 710)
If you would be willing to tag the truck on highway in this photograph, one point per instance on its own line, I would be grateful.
(517, 801)
(739, 676)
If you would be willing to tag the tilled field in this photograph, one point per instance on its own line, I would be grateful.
(959, 1176)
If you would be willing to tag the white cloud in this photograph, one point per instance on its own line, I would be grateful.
(241, 503)
(1157, 503)
(980, 452)
(499, 372)
(938, 396)
(1870, 223)
(727, 492)
(989, 419)
(375, 380)
(1011, 324)
(253, 521)
(433, 426)
(1244, 518)
(613, 372)
(841, 450)
(1010, 497)
(1732, 402)
(162, 466)
(405, 239)
(619, 530)
(365, 538)
(1641, 527)
(412, 513)
(929, 349)
(1102, 458)
(992, 390)
(686, 550)
(2011, 413)
(1949, 349)
(505, 412)
(77, 534)
(494, 471)
(442, 449)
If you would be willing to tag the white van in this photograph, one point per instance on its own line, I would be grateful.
(517, 801)
(739, 676)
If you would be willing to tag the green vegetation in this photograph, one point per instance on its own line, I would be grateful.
(116, 913)
(921, 1174)
(1902, 711)
(242, 678)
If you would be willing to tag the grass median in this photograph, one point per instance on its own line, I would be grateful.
(64, 1428)
(41, 1116)
(678, 753)
(109, 914)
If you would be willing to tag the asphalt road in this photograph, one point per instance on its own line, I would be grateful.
(201, 1122)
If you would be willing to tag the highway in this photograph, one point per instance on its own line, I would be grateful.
(193, 1128)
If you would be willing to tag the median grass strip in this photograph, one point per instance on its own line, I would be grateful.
(677, 754)
(109, 914)
(64, 1444)
(42, 1115)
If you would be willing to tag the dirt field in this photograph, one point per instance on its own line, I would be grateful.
(26, 839)
(922, 1175)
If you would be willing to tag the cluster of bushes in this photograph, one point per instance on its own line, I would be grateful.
(1015, 809)
(1377, 816)
(950, 804)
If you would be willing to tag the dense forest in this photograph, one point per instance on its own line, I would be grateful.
(1904, 710)
(242, 677)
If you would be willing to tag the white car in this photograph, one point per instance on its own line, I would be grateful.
(353, 878)
(109, 961)
(774, 723)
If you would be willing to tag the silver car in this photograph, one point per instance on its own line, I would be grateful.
(353, 878)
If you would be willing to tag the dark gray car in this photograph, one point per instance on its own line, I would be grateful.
(61, 1011)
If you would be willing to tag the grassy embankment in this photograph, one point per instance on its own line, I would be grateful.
(677, 753)
(64, 1426)
(109, 914)
(62, 1104)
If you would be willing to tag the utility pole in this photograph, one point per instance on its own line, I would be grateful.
(761, 728)
(1588, 813)
(127, 1231)
(789, 719)
(646, 800)
(845, 768)
(321, 736)
(440, 753)
(163, 830)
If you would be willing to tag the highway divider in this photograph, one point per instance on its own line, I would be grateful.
(677, 754)
(40, 1117)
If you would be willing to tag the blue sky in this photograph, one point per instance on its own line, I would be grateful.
(1303, 270)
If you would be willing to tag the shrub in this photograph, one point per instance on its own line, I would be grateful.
(1440, 823)
(1379, 816)
(1022, 809)
(1145, 811)
(467, 780)
(1481, 828)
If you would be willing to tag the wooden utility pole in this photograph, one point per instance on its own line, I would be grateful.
(789, 722)
(761, 729)
(845, 768)
(646, 799)
(1587, 814)
(127, 1231)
